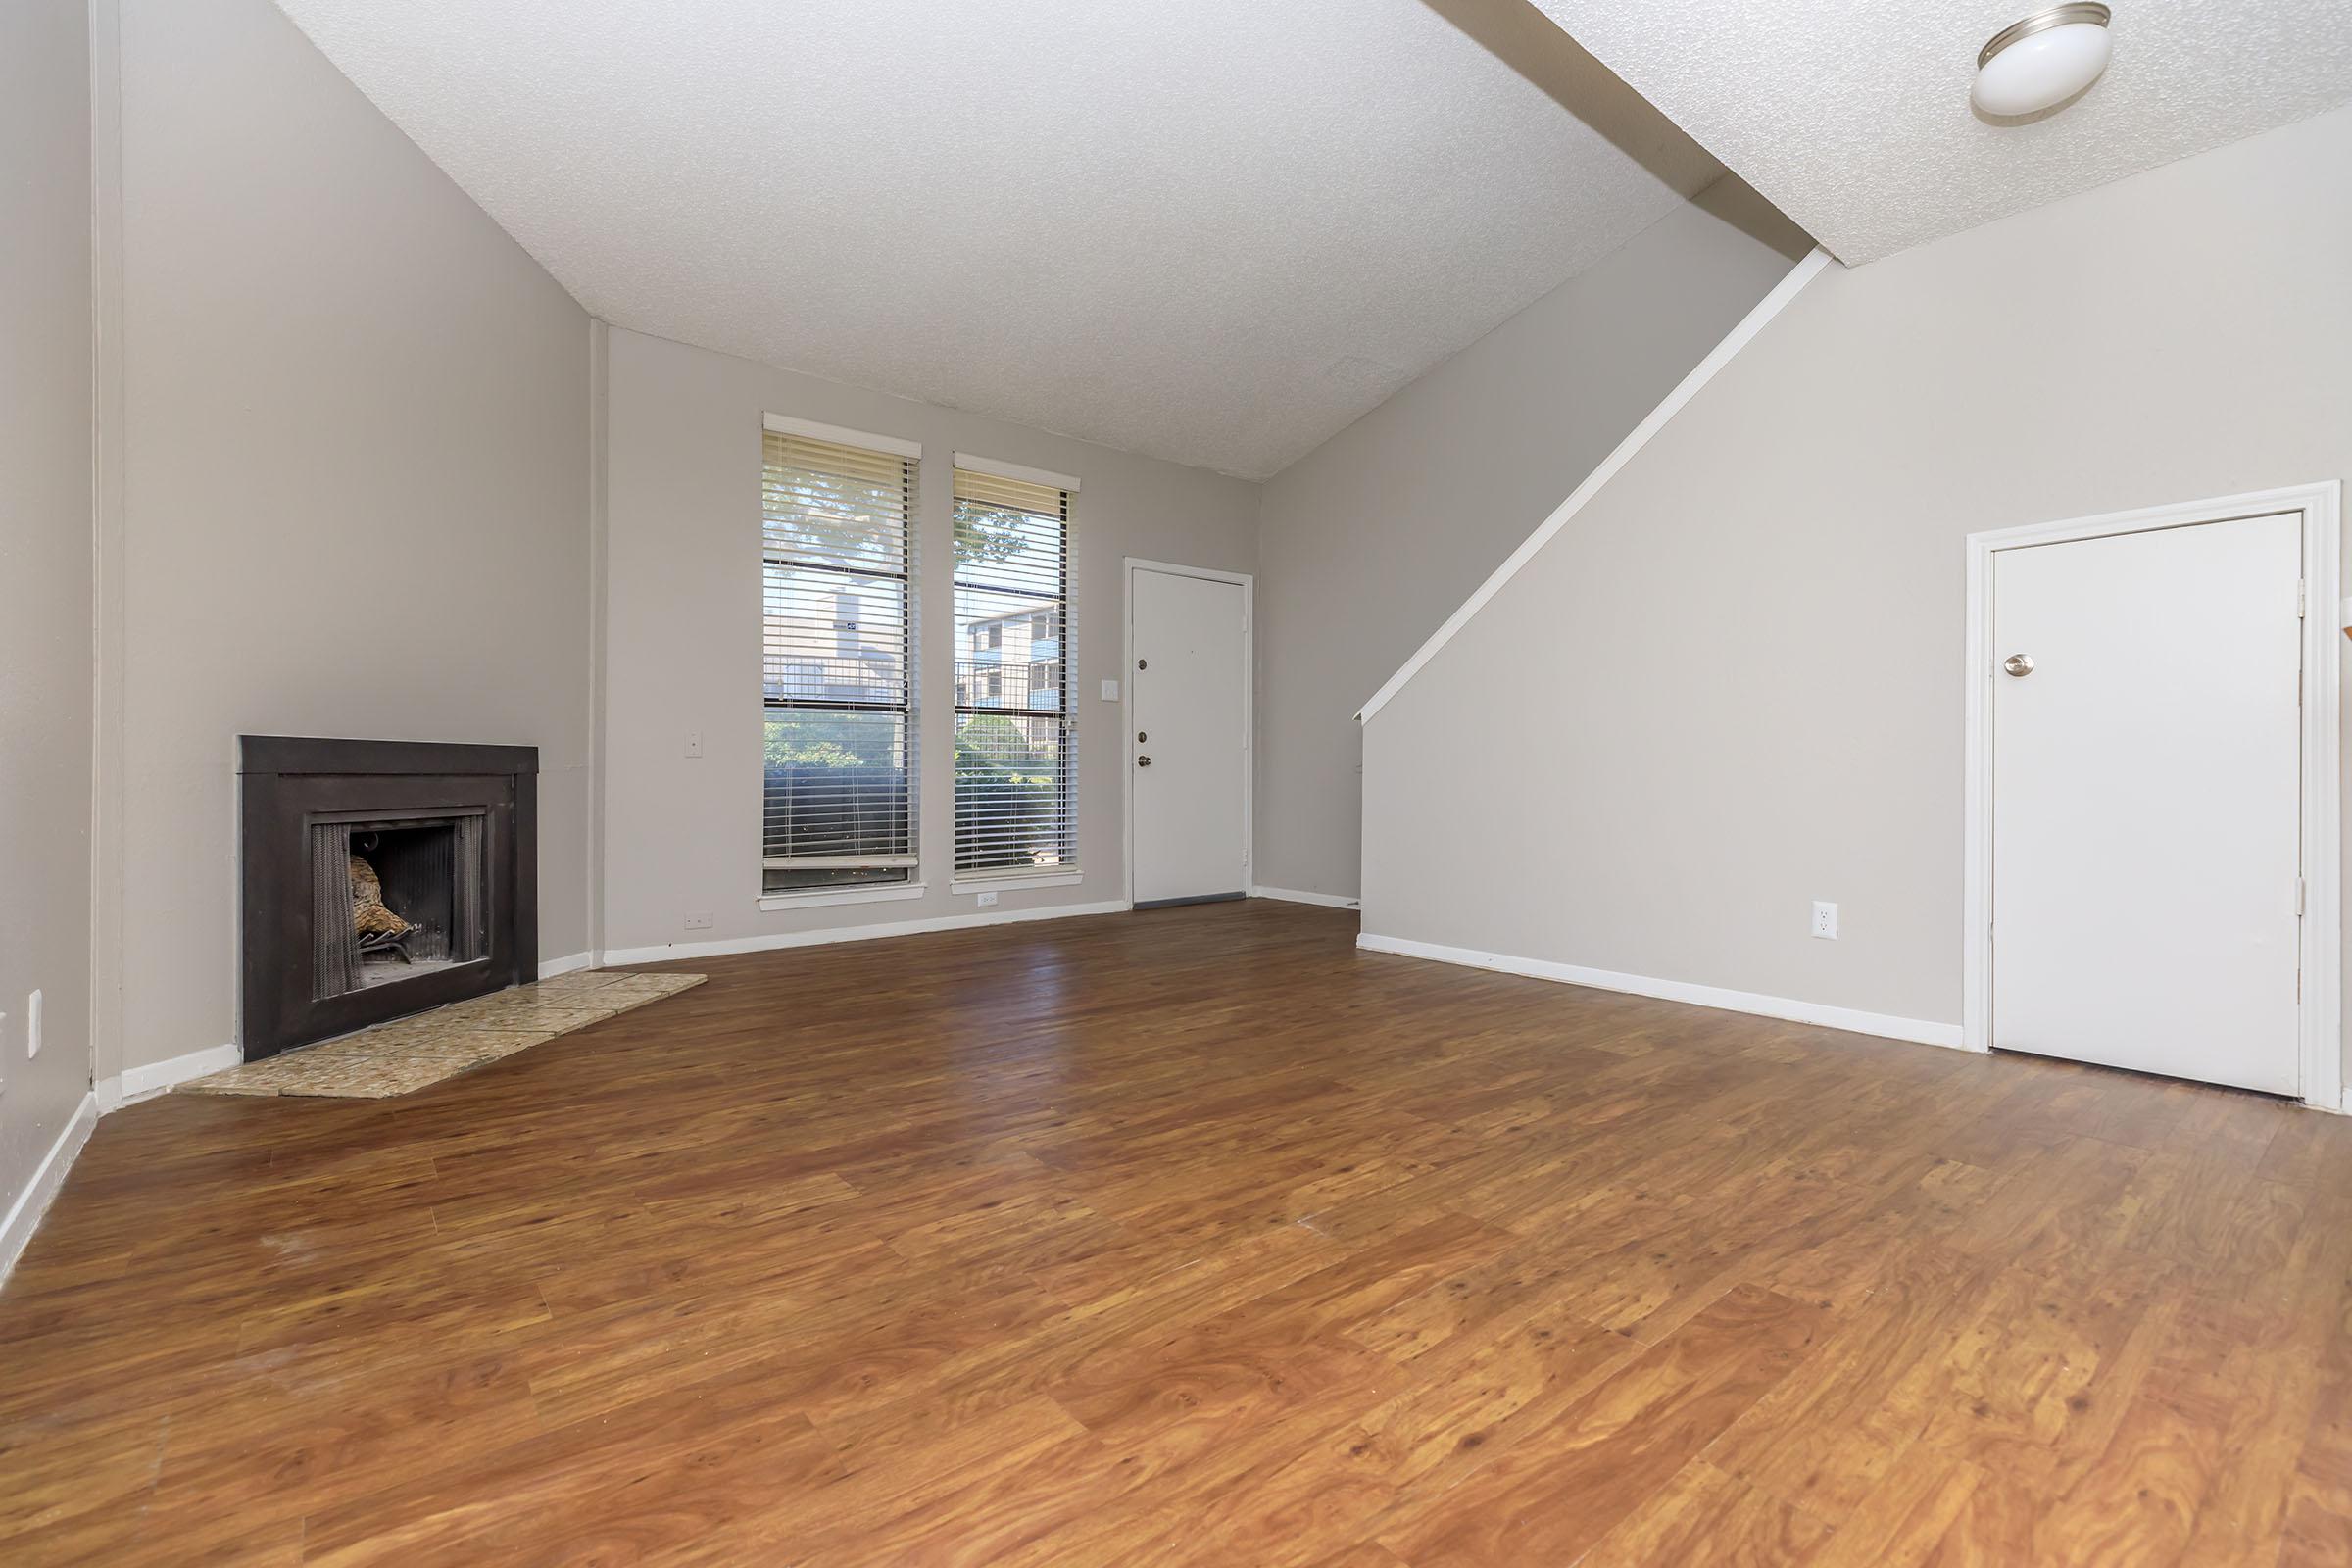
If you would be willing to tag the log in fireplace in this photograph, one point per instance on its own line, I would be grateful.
(380, 878)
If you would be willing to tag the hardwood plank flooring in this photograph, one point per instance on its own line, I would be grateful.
(1193, 1237)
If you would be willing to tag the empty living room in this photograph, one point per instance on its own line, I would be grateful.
(1342, 784)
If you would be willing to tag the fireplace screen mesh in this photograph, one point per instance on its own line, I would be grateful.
(395, 898)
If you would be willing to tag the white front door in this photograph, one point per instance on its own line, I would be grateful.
(2146, 801)
(1189, 757)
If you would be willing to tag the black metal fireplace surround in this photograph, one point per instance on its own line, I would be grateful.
(380, 878)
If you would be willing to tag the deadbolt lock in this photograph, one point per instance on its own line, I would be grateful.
(1143, 761)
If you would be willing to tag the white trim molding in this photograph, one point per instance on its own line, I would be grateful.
(153, 1078)
(1916, 1031)
(819, 898)
(997, 468)
(1013, 884)
(1329, 901)
(842, 435)
(1770, 306)
(855, 933)
(25, 1214)
(2321, 956)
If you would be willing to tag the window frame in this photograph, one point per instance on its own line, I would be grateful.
(908, 708)
(1063, 610)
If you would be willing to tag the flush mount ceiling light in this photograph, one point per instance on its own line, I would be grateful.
(2044, 60)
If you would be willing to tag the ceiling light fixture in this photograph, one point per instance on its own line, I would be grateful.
(2047, 58)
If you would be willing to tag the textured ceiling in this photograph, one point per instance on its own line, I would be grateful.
(1214, 231)
(1852, 116)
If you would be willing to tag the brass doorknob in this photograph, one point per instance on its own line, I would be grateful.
(2019, 663)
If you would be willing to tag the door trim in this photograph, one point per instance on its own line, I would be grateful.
(2321, 505)
(1247, 584)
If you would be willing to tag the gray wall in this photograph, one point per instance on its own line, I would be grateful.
(355, 478)
(683, 631)
(1369, 541)
(44, 573)
(1733, 684)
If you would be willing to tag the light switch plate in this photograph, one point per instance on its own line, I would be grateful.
(1110, 691)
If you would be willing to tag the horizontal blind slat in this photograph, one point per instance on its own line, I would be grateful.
(837, 646)
(995, 490)
(1016, 751)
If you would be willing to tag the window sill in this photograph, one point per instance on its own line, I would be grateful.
(1008, 884)
(818, 898)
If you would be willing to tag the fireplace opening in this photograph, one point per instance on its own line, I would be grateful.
(396, 899)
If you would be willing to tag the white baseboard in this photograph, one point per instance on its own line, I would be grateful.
(25, 1214)
(1918, 1031)
(569, 963)
(1330, 900)
(146, 1081)
(853, 933)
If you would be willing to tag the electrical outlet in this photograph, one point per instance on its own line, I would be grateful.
(1824, 920)
(694, 743)
(987, 899)
(701, 920)
(32, 1026)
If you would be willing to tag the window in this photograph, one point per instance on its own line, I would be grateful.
(837, 574)
(1015, 754)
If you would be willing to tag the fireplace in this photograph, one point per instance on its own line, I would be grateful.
(380, 878)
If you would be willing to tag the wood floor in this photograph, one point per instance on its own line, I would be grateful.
(1194, 1237)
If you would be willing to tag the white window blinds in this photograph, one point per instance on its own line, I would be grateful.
(837, 581)
(1015, 757)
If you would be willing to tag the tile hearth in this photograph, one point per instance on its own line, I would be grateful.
(412, 1053)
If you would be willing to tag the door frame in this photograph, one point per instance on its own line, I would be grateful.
(1247, 584)
(2320, 951)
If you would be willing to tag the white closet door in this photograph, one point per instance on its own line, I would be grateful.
(2146, 801)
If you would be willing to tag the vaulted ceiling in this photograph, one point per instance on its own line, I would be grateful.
(1214, 231)
(1852, 116)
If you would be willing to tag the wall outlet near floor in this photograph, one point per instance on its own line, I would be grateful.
(32, 1026)
(1825, 919)
(701, 920)
(987, 899)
